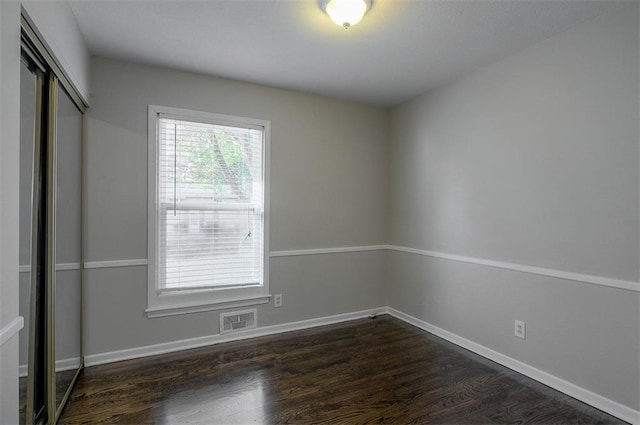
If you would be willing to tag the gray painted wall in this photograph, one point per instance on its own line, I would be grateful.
(328, 189)
(533, 160)
(9, 176)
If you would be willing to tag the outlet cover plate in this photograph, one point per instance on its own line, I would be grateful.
(519, 329)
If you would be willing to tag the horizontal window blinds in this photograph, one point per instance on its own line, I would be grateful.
(211, 205)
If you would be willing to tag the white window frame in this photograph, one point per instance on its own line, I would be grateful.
(169, 303)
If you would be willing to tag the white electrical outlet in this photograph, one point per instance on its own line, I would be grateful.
(519, 329)
(277, 300)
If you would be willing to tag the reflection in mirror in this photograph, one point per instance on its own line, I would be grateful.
(68, 343)
(27, 124)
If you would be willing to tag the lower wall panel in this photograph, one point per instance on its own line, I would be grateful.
(9, 375)
(587, 335)
(596, 400)
(204, 341)
(312, 286)
(581, 339)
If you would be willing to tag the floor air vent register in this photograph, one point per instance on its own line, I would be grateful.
(235, 321)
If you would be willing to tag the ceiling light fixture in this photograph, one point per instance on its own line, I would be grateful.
(346, 13)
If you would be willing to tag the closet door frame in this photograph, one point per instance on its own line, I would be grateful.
(52, 183)
(50, 75)
(39, 72)
(37, 43)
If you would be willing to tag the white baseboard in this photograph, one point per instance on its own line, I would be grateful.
(185, 344)
(61, 366)
(613, 408)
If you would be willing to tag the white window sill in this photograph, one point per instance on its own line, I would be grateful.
(175, 310)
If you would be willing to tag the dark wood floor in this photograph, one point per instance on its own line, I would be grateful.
(367, 371)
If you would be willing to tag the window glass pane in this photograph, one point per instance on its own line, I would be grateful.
(210, 189)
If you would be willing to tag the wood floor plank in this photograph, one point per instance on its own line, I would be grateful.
(367, 371)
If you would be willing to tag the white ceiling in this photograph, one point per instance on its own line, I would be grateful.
(400, 49)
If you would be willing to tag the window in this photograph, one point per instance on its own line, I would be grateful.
(207, 211)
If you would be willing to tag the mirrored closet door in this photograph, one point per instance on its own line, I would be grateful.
(50, 234)
(68, 276)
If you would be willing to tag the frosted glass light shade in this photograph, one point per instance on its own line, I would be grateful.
(346, 13)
